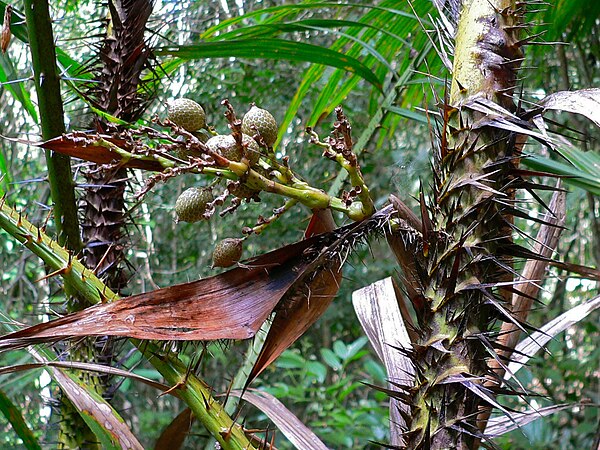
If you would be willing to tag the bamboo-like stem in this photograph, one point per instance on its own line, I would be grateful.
(73, 430)
(47, 84)
(193, 391)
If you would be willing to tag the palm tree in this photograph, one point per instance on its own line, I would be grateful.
(457, 255)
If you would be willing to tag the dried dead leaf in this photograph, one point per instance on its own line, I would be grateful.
(584, 101)
(292, 428)
(6, 34)
(377, 310)
(529, 346)
(174, 434)
(505, 424)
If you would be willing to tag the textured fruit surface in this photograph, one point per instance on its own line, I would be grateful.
(226, 146)
(227, 252)
(191, 204)
(263, 121)
(187, 114)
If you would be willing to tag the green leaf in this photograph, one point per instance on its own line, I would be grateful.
(408, 114)
(355, 346)
(14, 416)
(290, 360)
(331, 359)
(272, 49)
(376, 371)
(282, 11)
(9, 80)
(340, 349)
(584, 177)
(316, 369)
(5, 177)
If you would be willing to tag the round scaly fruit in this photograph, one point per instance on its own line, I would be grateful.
(227, 252)
(264, 122)
(228, 147)
(186, 113)
(191, 204)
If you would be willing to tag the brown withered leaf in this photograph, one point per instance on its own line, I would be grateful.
(174, 434)
(6, 34)
(232, 305)
(303, 305)
(79, 147)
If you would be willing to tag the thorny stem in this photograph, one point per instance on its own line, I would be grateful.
(193, 391)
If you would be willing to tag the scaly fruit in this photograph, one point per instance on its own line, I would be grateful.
(227, 146)
(227, 252)
(187, 114)
(191, 204)
(264, 122)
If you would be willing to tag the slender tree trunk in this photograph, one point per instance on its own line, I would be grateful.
(73, 433)
(466, 234)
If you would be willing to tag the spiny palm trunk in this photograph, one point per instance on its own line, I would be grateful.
(466, 243)
(123, 55)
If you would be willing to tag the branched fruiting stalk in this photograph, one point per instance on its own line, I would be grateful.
(223, 168)
(339, 149)
(193, 391)
(265, 222)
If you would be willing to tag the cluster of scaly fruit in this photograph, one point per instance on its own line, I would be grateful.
(192, 204)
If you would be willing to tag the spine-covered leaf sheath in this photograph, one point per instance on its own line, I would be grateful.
(461, 261)
(123, 55)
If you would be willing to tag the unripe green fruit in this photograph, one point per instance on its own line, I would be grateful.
(264, 122)
(191, 204)
(187, 114)
(228, 147)
(227, 252)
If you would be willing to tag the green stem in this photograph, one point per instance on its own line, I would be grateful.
(47, 84)
(194, 392)
(197, 396)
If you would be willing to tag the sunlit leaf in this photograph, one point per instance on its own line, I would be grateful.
(272, 49)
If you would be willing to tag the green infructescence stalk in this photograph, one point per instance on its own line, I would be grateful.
(466, 236)
(193, 391)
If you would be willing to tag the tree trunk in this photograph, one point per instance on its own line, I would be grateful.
(466, 225)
